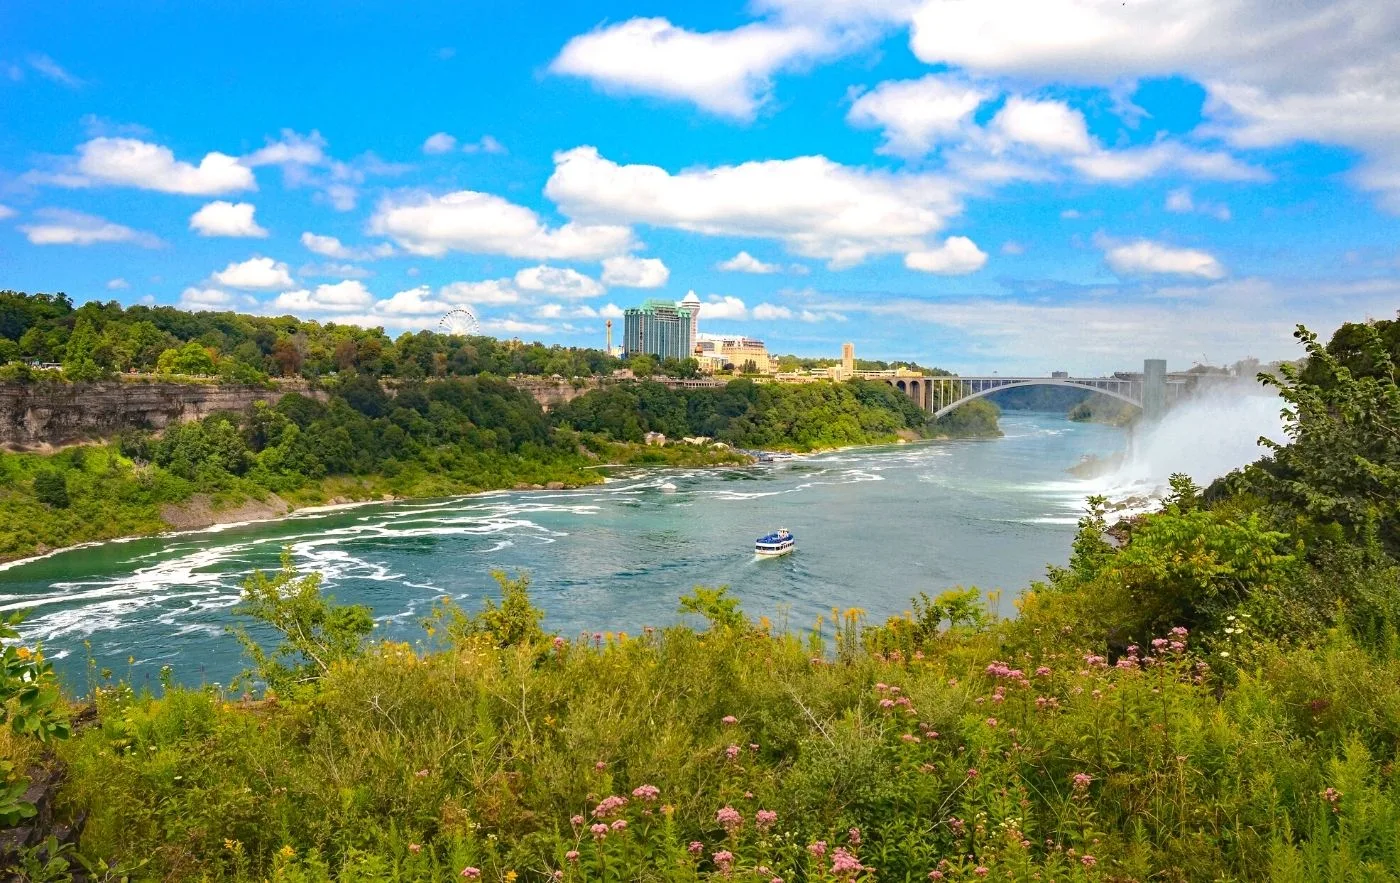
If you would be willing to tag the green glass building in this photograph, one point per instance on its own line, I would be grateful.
(658, 328)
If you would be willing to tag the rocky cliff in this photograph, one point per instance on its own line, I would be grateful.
(45, 415)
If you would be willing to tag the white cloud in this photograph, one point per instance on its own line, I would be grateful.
(211, 299)
(130, 162)
(6, 212)
(558, 281)
(331, 247)
(414, 302)
(255, 274)
(485, 144)
(728, 73)
(957, 256)
(222, 218)
(1180, 201)
(611, 311)
(626, 271)
(513, 326)
(482, 223)
(291, 150)
(1012, 247)
(1051, 126)
(743, 262)
(52, 70)
(117, 284)
(723, 307)
(817, 207)
(440, 142)
(917, 114)
(64, 227)
(331, 298)
(338, 271)
(768, 312)
(1145, 257)
(1135, 164)
(491, 292)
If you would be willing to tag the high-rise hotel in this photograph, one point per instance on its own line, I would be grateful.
(658, 328)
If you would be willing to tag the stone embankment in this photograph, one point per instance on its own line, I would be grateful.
(42, 416)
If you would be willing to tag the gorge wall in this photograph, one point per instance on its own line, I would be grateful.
(45, 415)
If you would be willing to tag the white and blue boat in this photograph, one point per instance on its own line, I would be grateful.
(780, 542)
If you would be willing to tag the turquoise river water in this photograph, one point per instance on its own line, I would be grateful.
(874, 527)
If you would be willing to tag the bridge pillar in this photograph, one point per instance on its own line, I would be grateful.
(1154, 389)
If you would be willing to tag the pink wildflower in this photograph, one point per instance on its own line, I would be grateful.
(414, 848)
(620, 825)
(842, 863)
(421, 774)
(910, 738)
(695, 847)
(765, 818)
(600, 766)
(559, 643)
(1334, 798)
(972, 773)
(471, 873)
(732, 752)
(729, 720)
(753, 746)
(557, 875)
(817, 849)
(958, 825)
(981, 871)
(609, 807)
(853, 836)
(1088, 861)
(1180, 632)
(887, 703)
(599, 830)
(1043, 671)
(935, 875)
(723, 859)
(571, 855)
(730, 818)
(1176, 646)
(991, 722)
(1081, 781)
(646, 792)
(576, 821)
(880, 688)
(1158, 643)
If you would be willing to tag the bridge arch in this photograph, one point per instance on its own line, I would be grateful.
(1046, 381)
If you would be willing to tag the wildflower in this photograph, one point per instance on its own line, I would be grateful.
(880, 688)
(910, 738)
(730, 818)
(765, 818)
(887, 703)
(935, 875)
(1158, 643)
(414, 848)
(981, 871)
(599, 830)
(753, 746)
(817, 849)
(1088, 861)
(471, 873)
(1333, 798)
(1225, 654)
(723, 859)
(511, 876)
(991, 722)
(572, 856)
(609, 806)
(732, 752)
(729, 719)
(1127, 663)
(620, 825)
(557, 875)
(421, 774)
(842, 862)
(748, 795)
(695, 847)
(853, 836)
(600, 766)
(1043, 671)
(576, 821)
(958, 825)
(1081, 781)
(972, 773)
(776, 880)
(646, 792)
(1179, 632)
(1095, 661)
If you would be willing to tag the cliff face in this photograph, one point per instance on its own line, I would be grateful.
(43, 415)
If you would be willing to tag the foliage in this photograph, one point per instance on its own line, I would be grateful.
(514, 622)
(51, 488)
(316, 633)
(717, 607)
(974, 419)
(30, 703)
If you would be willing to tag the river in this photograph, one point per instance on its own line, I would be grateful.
(874, 526)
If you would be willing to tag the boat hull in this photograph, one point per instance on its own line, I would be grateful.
(774, 551)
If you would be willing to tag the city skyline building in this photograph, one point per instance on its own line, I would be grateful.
(659, 328)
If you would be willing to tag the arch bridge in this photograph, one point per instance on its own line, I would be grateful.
(1152, 391)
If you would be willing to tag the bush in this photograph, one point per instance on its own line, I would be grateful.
(51, 488)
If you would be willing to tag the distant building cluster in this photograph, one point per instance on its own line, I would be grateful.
(666, 329)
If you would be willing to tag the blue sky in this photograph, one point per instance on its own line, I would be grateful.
(1020, 185)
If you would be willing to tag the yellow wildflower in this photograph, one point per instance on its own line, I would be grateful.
(510, 876)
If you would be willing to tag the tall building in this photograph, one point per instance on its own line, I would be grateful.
(848, 359)
(658, 328)
(691, 302)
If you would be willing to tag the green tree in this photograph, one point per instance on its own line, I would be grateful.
(79, 363)
(51, 488)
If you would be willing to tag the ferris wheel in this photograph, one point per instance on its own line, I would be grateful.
(460, 321)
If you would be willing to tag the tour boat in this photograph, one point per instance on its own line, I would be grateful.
(780, 542)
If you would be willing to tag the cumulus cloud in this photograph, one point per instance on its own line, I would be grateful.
(957, 256)
(331, 247)
(1145, 257)
(491, 292)
(255, 274)
(337, 297)
(484, 144)
(1051, 126)
(1180, 201)
(335, 270)
(1128, 166)
(65, 227)
(626, 271)
(131, 162)
(195, 298)
(222, 218)
(917, 114)
(6, 212)
(558, 281)
(611, 311)
(440, 142)
(118, 284)
(766, 312)
(817, 207)
(482, 223)
(728, 73)
(743, 262)
(292, 149)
